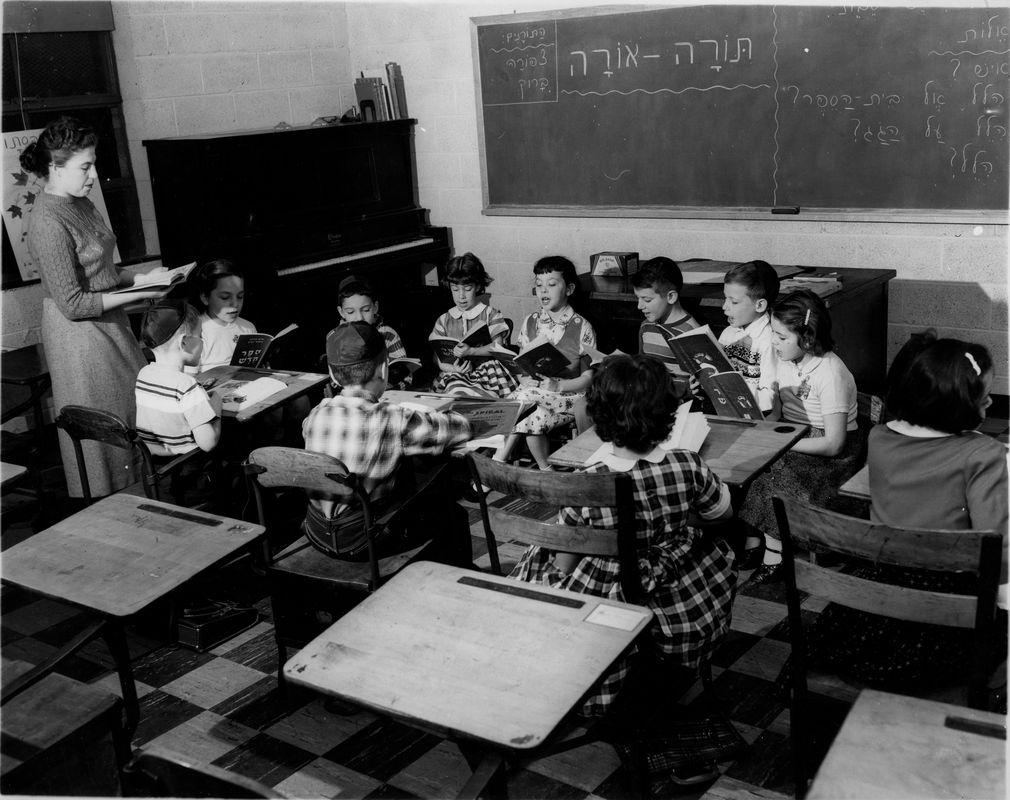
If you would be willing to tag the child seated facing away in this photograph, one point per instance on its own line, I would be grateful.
(658, 284)
(219, 293)
(372, 439)
(749, 290)
(555, 281)
(929, 468)
(174, 413)
(357, 302)
(468, 280)
(688, 577)
(815, 388)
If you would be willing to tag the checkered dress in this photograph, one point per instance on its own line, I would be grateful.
(688, 578)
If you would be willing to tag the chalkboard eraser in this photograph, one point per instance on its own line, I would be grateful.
(786, 210)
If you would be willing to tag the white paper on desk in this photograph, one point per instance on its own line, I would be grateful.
(246, 394)
(625, 619)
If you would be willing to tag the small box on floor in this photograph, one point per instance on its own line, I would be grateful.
(617, 264)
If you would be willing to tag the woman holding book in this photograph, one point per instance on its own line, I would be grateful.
(92, 354)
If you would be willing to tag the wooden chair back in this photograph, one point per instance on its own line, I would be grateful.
(974, 553)
(91, 424)
(160, 773)
(602, 490)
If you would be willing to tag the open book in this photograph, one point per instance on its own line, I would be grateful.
(689, 430)
(597, 356)
(697, 352)
(400, 369)
(539, 357)
(238, 395)
(254, 349)
(159, 280)
(443, 345)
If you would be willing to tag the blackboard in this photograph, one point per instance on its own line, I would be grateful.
(746, 108)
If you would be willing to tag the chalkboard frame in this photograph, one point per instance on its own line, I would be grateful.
(813, 214)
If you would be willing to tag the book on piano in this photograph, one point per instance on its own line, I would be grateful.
(254, 349)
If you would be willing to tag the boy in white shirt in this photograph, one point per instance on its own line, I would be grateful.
(749, 291)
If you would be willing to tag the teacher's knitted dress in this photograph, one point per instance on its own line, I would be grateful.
(93, 357)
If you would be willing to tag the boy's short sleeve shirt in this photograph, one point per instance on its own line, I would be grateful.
(170, 404)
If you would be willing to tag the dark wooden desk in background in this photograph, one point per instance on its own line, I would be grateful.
(858, 314)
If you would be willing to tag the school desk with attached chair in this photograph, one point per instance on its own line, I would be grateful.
(114, 559)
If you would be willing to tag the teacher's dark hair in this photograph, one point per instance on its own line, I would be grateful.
(59, 140)
(632, 402)
(942, 386)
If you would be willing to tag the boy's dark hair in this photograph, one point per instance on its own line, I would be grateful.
(661, 274)
(557, 264)
(804, 313)
(59, 140)
(758, 278)
(205, 277)
(632, 402)
(352, 285)
(933, 383)
(467, 268)
(163, 320)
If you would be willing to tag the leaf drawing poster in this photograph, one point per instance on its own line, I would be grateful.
(20, 191)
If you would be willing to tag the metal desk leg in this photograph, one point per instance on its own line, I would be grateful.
(115, 640)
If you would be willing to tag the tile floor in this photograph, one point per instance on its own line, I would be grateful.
(224, 707)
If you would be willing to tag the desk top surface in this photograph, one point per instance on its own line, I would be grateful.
(24, 365)
(297, 383)
(122, 553)
(858, 485)
(891, 746)
(736, 450)
(10, 472)
(464, 652)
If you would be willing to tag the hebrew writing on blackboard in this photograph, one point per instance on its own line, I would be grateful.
(842, 107)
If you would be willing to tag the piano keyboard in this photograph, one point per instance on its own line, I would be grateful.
(351, 257)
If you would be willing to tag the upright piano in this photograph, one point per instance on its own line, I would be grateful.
(299, 209)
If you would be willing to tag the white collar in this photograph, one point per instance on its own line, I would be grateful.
(606, 456)
(805, 367)
(757, 325)
(915, 431)
(472, 313)
(562, 319)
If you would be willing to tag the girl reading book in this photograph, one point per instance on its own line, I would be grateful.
(470, 369)
(219, 293)
(556, 322)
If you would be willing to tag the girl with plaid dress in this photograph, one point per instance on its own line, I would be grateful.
(687, 577)
(557, 321)
(468, 280)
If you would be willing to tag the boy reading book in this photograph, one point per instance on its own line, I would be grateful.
(373, 439)
(357, 301)
(658, 285)
(750, 289)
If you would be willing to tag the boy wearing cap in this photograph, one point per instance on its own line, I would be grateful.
(371, 438)
(174, 413)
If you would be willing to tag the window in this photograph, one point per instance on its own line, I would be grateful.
(46, 74)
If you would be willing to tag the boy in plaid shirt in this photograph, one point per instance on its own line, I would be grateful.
(372, 438)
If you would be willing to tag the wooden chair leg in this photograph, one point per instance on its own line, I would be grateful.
(489, 775)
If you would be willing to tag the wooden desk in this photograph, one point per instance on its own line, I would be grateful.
(10, 473)
(118, 556)
(26, 367)
(468, 654)
(858, 486)
(60, 737)
(736, 450)
(297, 383)
(892, 746)
(858, 313)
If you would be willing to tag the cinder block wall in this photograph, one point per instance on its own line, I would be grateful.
(197, 67)
(952, 277)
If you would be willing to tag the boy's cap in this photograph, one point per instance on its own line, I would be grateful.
(161, 321)
(353, 343)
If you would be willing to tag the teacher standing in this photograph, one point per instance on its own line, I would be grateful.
(92, 353)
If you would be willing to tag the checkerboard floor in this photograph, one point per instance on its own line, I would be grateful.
(224, 707)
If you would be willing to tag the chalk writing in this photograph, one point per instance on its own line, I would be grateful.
(667, 90)
(875, 133)
(990, 29)
(840, 100)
